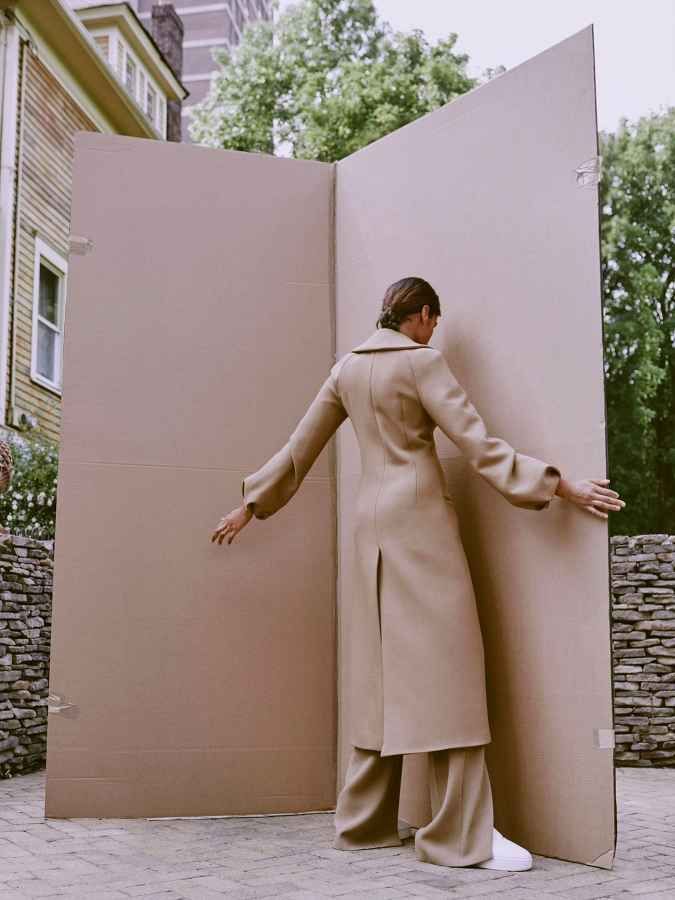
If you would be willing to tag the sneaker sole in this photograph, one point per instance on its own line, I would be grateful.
(504, 865)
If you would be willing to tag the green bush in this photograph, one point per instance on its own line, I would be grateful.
(28, 506)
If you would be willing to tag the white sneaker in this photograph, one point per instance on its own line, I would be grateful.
(506, 855)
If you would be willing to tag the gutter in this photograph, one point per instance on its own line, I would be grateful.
(25, 48)
(9, 48)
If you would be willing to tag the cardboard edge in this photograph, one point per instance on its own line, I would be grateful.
(604, 861)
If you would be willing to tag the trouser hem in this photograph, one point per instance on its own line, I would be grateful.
(341, 843)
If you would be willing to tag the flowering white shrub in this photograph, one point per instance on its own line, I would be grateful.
(28, 506)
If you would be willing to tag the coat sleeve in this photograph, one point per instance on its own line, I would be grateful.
(523, 480)
(272, 486)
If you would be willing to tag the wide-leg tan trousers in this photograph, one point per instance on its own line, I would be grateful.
(460, 830)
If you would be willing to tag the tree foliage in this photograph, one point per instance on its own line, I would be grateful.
(637, 191)
(327, 79)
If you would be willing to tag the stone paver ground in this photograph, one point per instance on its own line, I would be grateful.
(291, 857)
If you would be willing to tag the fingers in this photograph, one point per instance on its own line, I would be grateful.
(608, 500)
(228, 532)
(223, 530)
(605, 497)
(596, 507)
(605, 492)
(221, 523)
(609, 504)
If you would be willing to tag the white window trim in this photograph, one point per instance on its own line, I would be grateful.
(112, 44)
(119, 51)
(134, 89)
(45, 254)
(142, 83)
(163, 113)
(117, 58)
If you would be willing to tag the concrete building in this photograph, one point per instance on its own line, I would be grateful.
(61, 71)
(207, 25)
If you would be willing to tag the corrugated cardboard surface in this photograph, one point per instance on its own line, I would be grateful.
(198, 329)
(481, 198)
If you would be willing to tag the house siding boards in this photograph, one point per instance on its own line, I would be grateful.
(50, 119)
(55, 84)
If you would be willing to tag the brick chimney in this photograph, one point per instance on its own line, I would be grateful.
(166, 28)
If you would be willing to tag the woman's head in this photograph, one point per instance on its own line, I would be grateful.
(411, 306)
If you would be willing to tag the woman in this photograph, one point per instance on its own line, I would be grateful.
(416, 657)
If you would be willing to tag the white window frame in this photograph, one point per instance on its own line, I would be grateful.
(130, 60)
(48, 257)
(118, 62)
(162, 114)
(119, 53)
(111, 34)
(150, 87)
(142, 86)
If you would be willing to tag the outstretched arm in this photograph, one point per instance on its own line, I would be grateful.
(269, 488)
(523, 480)
(272, 486)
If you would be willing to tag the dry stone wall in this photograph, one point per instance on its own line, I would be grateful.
(26, 568)
(643, 644)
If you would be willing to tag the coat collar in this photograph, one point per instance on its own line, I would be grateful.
(387, 339)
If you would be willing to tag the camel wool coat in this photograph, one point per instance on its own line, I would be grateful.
(416, 658)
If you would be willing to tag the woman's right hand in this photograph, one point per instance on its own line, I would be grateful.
(231, 524)
(591, 495)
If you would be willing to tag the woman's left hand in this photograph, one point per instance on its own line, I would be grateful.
(231, 524)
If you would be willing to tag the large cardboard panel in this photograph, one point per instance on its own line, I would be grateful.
(202, 677)
(482, 199)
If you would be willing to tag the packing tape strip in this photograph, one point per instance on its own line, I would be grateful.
(58, 705)
(603, 738)
(81, 245)
(588, 172)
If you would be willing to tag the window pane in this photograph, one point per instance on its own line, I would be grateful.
(150, 104)
(102, 43)
(131, 75)
(46, 351)
(49, 294)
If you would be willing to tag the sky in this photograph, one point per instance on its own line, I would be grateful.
(634, 41)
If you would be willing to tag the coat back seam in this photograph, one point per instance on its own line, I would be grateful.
(379, 434)
(408, 443)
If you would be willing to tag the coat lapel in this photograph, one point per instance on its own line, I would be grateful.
(387, 339)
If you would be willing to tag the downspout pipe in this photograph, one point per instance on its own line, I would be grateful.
(9, 98)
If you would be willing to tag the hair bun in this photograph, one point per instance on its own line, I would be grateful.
(406, 297)
(388, 319)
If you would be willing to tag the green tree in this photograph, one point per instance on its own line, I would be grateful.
(637, 191)
(327, 79)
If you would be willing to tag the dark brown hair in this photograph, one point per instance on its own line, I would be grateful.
(405, 297)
